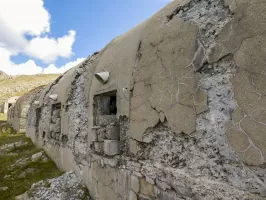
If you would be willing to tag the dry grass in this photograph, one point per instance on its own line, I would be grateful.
(19, 85)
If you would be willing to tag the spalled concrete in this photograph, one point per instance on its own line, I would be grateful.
(182, 115)
(18, 112)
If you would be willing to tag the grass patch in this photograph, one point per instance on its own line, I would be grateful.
(3, 117)
(11, 173)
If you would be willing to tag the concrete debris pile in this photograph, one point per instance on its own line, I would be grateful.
(173, 109)
(65, 187)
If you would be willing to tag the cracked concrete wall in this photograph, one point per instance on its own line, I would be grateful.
(245, 40)
(17, 114)
(190, 88)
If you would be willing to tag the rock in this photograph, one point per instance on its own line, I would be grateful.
(24, 196)
(3, 188)
(66, 187)
(13, 145)
(36, 156)
(27, 171)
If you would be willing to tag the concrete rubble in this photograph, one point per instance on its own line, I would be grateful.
(66, 187)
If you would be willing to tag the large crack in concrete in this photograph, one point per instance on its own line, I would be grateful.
(205, 153)
(185, 93)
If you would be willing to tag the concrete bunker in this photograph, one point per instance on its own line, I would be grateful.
(106, 129)
(18, 113)
(8, 103)
(165, 103)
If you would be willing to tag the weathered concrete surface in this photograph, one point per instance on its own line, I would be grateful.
(17, 114)
(8, 103)
(189, 88)
(245, 39)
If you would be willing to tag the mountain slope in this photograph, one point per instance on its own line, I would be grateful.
(19, 85)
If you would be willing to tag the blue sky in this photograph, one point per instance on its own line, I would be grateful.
(94, 22)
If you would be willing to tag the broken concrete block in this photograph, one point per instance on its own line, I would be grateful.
(111, 147)
(98, 147)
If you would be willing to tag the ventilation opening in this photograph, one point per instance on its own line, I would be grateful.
(105, 104)
(9, 105)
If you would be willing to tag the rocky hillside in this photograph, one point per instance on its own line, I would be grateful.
(19, 85)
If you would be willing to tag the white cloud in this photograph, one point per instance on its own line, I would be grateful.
(48, 49)
(21, 18)
(29, 17)
(30, 67)
(52, 69)
(11, 68)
